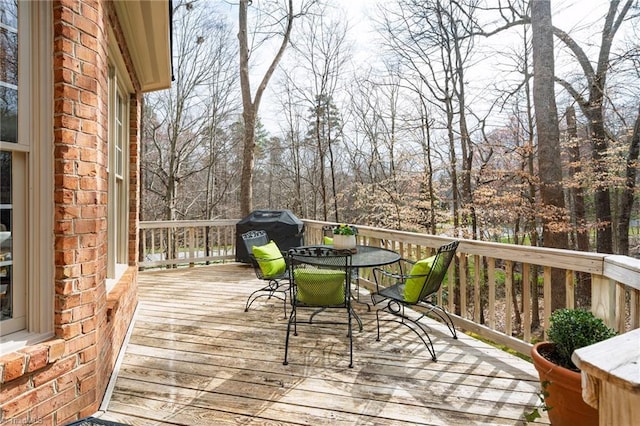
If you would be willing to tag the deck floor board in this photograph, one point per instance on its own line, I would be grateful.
(195, 357)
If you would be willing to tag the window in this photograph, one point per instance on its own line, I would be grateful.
(11, 300)
(26, 175)
(118, 170)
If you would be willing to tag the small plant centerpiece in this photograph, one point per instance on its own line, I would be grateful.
(344, 236)
(569, 329)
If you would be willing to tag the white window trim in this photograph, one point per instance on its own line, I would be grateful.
(118, 213)
(35, 124)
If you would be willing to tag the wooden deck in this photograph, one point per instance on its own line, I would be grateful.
(194, 357)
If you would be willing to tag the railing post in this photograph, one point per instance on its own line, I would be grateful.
(603, 300)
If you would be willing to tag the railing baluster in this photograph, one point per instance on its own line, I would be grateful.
(491, 278)
(508, 298)
(477, 266)
(526, 302)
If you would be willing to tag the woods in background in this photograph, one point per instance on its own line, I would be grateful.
(437, 121)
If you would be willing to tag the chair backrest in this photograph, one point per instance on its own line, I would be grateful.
(320, 276)
(254, 238)
(443, 257)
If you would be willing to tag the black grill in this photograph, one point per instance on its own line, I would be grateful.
(282, 226)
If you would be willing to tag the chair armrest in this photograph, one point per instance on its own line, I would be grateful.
(395, 273)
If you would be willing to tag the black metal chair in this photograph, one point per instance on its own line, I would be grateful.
(415, 285)
(269, 266)
(319, 281)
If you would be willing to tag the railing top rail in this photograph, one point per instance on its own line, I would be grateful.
(620, 268)
(186, 223)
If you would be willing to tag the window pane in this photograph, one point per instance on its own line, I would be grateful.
(8, 114)
(9, 13)
(8, 57)
(9, 71)
(6, 246)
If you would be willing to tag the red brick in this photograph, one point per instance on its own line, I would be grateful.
(85, 255)
(66, 31)
(37, 357)
(65, 257)
(84, 54)
(20, 405)
(66, 243)
(88, 98)
(88, 325)
(63, 317)
(77, 405)
(65, 136)
(87, 169)
(69, 301)
(86, 140)
(88, 240)
(14, 389)
(90, 127)
(54, 402)
(87, 112)
(88, 383)
(88, 183)
(64, 106)
(93, 211)
(66, 212)
(85, 25)
(56, 370)
(67, 152)
(70, 65)
(83, 312)
(65, 167)
(13, 366)
(80, 343)
(63, 75)
(89, 42)
(87, 197)
(56, 349)
(69, 331)
(68, 122)
(87, 283)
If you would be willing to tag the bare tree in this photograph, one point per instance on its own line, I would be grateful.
(174, 129)
(281, 24)
(549, 165)
(592, 107)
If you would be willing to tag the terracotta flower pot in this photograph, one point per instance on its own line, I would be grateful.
(565, 392)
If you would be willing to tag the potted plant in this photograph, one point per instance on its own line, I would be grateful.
(569, 329)
(344, 236)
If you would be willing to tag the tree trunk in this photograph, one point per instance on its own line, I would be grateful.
(250, 107)
(549, 164)
(626, 203)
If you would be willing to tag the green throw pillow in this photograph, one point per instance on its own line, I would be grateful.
(320, 287)
(327, 241)
(413, 286)
(270, 259)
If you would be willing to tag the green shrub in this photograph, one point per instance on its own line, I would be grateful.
(572, 329)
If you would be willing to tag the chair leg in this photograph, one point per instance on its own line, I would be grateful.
(268, 291)
(350, 338)
(286, 342)
(445, 317)
(397, 311)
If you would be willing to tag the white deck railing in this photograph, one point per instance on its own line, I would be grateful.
(488, 301)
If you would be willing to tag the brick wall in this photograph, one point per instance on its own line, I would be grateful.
(65, 378)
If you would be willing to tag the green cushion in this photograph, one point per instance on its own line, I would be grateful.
(413, 286)
(327, 241)
(270, 259)
(320, 287)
